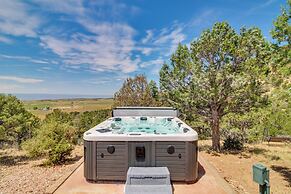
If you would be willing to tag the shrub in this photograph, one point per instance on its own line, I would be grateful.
(58, 116)
(233, 141)
(60, 152)
(17, 124)
(54, 141)
(89, 119)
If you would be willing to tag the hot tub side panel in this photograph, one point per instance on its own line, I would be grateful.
(90, 160)
(99, 164)
(182, 164)
(191, 161)
(112, 166)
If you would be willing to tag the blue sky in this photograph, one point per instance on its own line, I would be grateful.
(90, 47)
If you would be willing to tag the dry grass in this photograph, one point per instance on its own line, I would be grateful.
(236, 167)
(79, 105)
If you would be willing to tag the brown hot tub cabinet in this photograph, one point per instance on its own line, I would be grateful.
(109, 156)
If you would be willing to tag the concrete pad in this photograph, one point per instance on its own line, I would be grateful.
(209, 182)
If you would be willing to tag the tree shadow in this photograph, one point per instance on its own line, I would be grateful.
(284, 172)
(257, 151)
(68, 161)
(7, 160)
(73, 160)
(204, 147)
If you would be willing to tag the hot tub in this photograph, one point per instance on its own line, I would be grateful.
(141, 137)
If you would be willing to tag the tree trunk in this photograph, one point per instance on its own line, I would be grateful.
(215, 131)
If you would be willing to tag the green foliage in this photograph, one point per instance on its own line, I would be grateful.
(281, 59)
(59, 133)
(17, 123)
(233, 141)
(282, 29)
(54, 140)
(154, 90)
(220, 74)
(136, 92)
(59, 116)
(278, 114)
(89, 119)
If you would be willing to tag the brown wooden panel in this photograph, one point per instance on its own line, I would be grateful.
(171, 162)
(110, 157)
(164, 150)
(110, 161)
(115, 177)
(159, 146)
(101, 174)
(101, 170)
(109, 165)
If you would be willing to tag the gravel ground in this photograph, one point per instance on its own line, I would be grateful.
(19, 174)
(236, 168)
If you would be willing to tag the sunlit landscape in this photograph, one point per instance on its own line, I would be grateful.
(92, 91)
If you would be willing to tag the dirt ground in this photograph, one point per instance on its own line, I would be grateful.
(19, 174)
(236, 168)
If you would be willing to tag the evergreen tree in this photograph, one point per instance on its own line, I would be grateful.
(135, 92)
(16, 123)
(220, 74)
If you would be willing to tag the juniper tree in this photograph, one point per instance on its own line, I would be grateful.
(219, 74)
(281, 60)
(135, 92)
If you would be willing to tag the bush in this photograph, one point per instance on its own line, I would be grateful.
(58, 116)
(17, 124)
(60, 152)
(89, 119)
(233, 141)
(54, 141)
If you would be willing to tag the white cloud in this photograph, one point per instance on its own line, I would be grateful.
(201, 18)
(24, 58)
(20, 79)
(260, 6)
(5, 40)
(8, 87)
(157, 62)
(163, 41)
(109, 49)
(67, 6)
(173, 35)
(148, 37)
(16, 20)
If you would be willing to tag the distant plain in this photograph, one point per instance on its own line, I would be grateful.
(41, 108)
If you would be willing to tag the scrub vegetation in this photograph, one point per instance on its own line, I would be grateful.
(52, 138)
(233, 87)
(137, 92)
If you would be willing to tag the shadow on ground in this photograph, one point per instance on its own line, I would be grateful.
(66, 162)
(201, 171)
(256, 150)
(284, 172)
(73, 160)
(7, 160)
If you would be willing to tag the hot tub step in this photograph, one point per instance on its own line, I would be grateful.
(145, 180)
(148, 189)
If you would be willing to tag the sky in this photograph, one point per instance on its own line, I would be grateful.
(91, 47)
